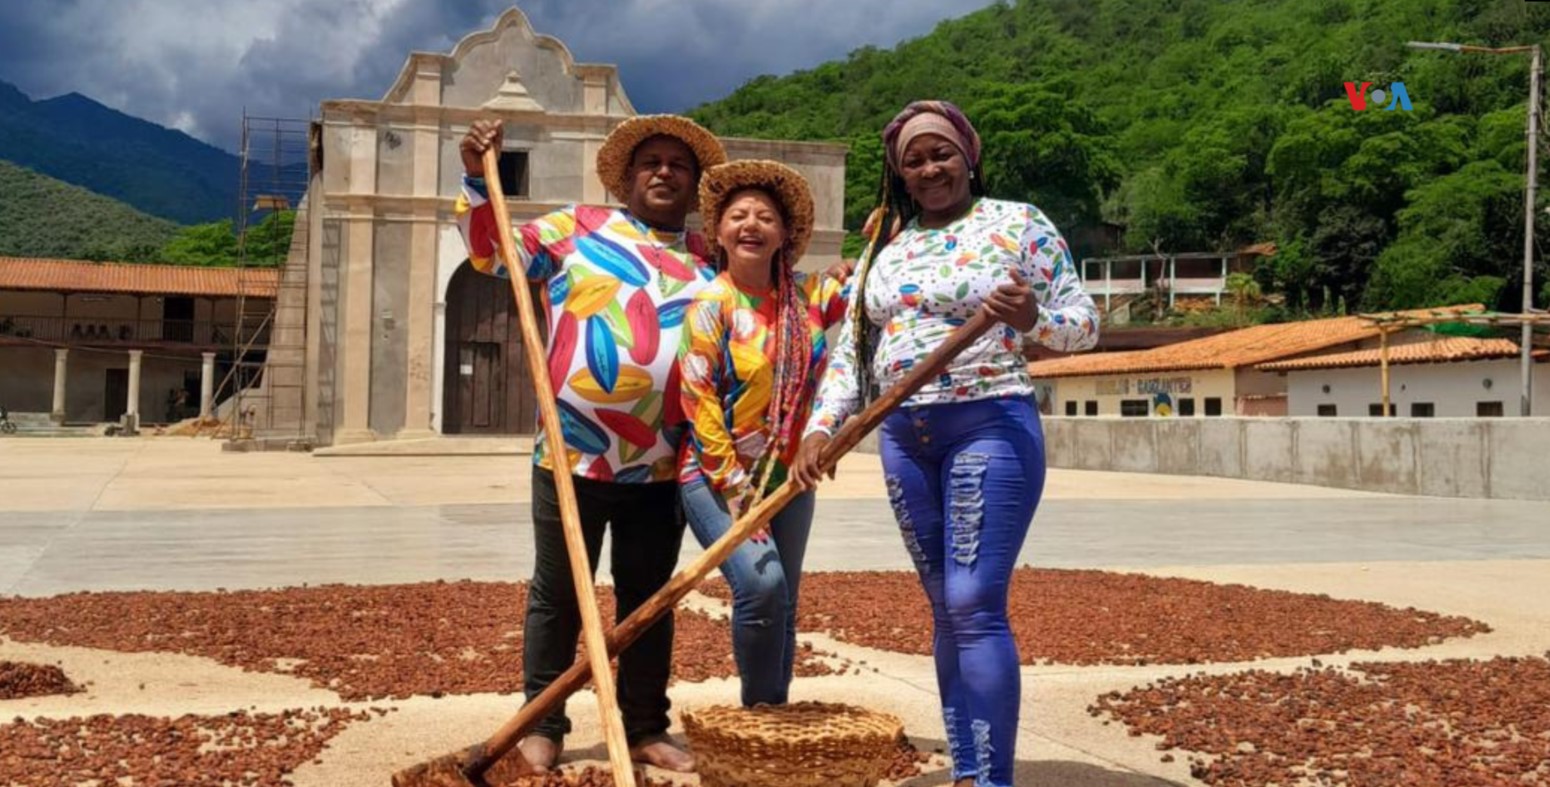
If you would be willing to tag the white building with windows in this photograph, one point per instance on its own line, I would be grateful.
(1252, 372)
(1430, 376)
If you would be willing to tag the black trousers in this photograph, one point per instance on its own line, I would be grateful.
(648, 527)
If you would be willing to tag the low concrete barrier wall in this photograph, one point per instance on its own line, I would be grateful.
(1447, 457)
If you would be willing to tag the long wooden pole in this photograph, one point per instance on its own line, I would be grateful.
(1383, 363)
(570, 518)
(479, 759)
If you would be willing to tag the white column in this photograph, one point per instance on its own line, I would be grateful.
(438, 364)
(353, 422)
(61, 376)
(206, 385)
(1108, 289)
(419, 323)
(1173, 279)
(132, 407)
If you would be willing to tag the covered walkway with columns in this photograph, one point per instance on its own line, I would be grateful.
(86, 342)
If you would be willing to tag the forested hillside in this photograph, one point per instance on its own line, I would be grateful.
(157, 170)
(1210, 124)
(43, 217)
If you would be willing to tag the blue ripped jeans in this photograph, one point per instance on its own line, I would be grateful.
(764, 577)
(964, 480)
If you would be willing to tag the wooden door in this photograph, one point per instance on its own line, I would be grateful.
(115, 394)
(486, 387)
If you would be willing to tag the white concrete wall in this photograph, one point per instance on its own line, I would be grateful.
(1454, 389)
(1443, 457)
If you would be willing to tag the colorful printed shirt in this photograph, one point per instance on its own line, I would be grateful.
(617, 295)
(728, 362)
(927, 282)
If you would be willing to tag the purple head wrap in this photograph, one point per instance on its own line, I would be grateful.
(968, 140)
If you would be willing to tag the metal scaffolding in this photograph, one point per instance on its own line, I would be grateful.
(267, 378)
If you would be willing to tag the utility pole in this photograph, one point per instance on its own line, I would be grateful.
(1527, 350)
(1536, 55)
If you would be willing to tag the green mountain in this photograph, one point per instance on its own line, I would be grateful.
(44, 217)
(1189, 125)
(157, 170)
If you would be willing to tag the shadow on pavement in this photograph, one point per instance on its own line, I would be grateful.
(1041, 773)
(1029, 773)
(1056, 773)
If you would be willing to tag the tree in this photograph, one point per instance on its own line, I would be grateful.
(213, 244)
(216, 245)
(1456, 242)
(1047, 148)
(1243, 289)
(1198, 125)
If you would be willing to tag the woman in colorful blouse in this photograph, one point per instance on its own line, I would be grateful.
(753, 350)
(964, 457)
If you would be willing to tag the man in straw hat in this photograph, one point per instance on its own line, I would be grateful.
(619, 281)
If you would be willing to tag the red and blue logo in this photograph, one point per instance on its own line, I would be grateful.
(1397, 96)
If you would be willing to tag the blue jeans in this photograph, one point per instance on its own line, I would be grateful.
(964, 480)
(764, 578)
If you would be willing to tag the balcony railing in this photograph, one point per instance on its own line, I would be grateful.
(73, 330)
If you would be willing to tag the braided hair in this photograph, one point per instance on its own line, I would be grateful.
(793, 374)
(895, 210)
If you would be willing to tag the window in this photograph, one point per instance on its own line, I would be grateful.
(1489, 409)
(1135, 408)
(1071, 407)
(1422, 410)
(1187, 406)
(513, 170)
(1376, 409)
(1090, 407)
(1213, 405)
(1327, 411)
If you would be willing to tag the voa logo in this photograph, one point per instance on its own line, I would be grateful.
(1397, 96)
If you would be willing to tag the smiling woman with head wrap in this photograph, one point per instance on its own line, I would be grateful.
(964, 457)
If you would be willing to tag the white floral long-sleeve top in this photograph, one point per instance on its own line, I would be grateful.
(927, 282)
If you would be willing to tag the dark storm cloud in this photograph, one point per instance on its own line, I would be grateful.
(197, 64)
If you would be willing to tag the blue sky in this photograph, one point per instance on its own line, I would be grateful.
(195, 64)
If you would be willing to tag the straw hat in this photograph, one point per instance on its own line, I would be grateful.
(613, 158)
(785, 184)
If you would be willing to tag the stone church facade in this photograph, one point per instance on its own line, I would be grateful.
(402, 340)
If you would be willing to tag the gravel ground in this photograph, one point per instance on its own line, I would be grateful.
(1456, 722)
(363, 642)
(1097, 617)
(239, 748)
(18, 680)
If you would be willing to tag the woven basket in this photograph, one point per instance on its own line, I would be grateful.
(804, 744)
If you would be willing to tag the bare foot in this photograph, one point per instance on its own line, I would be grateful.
(541, 753)
(660, 751)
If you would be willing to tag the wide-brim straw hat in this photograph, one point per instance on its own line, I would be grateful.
(613, 158)
(785, 184)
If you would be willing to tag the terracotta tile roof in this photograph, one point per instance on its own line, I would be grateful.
(30, 273)
(1440, 350)
(1244, 347)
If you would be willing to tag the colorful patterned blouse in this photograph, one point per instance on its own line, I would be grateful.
(728, 362)
(617, 295)
(927, 282)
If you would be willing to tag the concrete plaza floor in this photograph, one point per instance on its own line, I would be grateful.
(180, 514)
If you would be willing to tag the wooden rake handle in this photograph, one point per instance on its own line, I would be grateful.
(480, 758)
(575, 545)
